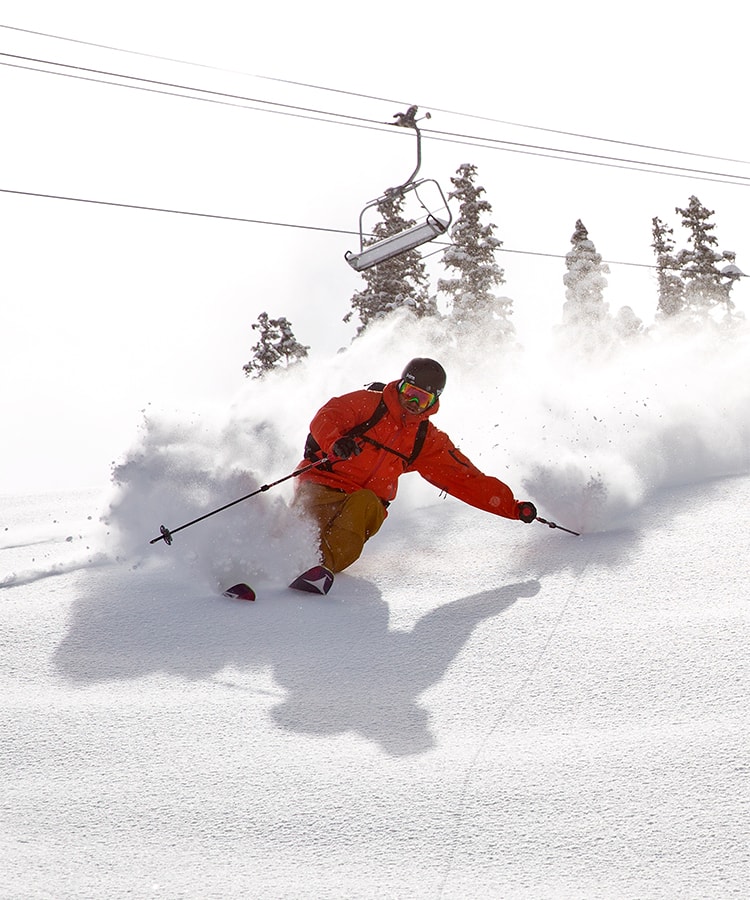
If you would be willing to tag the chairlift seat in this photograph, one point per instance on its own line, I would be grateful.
(395, 244)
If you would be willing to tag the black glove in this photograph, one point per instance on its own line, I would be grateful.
(526, 511)
(346, 447)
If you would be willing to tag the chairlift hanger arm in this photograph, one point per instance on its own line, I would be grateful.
(409, 120)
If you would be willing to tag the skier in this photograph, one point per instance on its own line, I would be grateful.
(368, 439)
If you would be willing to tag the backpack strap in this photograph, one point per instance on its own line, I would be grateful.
(419, 442)
(380, 410)
(313, 449)
(416, 449)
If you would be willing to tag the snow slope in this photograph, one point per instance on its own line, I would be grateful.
(479, 709)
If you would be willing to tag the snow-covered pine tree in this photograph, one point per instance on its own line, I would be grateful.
(626, 323)
(276, 347)
(584, 305)
(670, 285)
(707, 287)
(397, 282)
(472, 256)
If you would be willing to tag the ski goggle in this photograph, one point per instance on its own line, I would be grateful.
(416, 397)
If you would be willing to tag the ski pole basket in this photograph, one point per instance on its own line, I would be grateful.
(435, 222)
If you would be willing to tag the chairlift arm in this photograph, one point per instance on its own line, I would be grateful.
(413, 175)
(408, 120)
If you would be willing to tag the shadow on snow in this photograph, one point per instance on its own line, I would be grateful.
(340, 665)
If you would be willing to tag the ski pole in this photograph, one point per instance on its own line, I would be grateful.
(553, 525)
(166, 533)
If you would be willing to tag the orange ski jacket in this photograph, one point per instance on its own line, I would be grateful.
(387, 447)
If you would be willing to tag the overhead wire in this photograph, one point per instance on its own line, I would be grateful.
(590, 158)
(179, 212)
(360, 95)
(225, 98)
(243, 219)
(152, 85)
(238, 100)
(213, 68)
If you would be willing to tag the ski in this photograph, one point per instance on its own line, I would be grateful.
(317, 580)
(240, 591)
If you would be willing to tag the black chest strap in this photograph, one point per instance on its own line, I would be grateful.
(416, 449)
(313, 449)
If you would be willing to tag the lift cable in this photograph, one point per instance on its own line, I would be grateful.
(592, 159)
(155, 84)
(183, 212)
(359, 95)
(179, 212)
(227, 71)
(359, 121)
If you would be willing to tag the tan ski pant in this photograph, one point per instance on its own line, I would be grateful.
(345, 521)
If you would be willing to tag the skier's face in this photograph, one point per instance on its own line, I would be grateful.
(415, 399)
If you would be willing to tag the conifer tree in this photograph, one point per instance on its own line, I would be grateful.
(397, 282)
(706, 285)
(585, 282)
(670, 285)
(626, 323)
(472, 256)
(276, 347)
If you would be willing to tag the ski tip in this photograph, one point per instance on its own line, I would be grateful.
(239, 592)
(317, 580)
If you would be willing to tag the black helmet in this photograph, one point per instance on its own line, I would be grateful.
(426, 374)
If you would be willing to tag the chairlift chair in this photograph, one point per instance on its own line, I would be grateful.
(432, 226)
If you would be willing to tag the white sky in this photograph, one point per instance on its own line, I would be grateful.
(105, 311)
